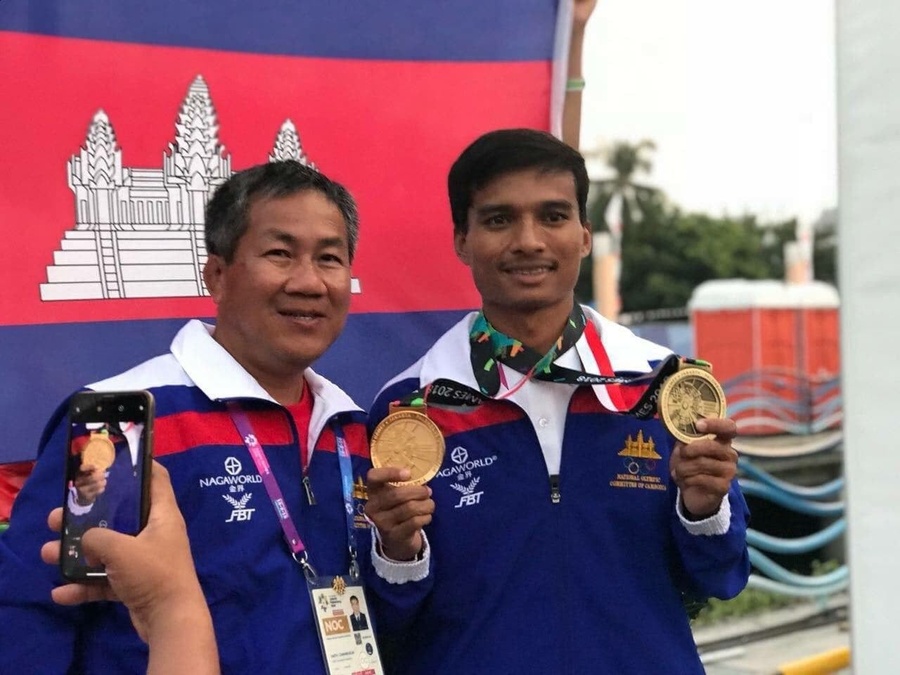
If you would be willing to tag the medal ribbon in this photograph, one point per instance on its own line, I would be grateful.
(291, 536)
(489, 348)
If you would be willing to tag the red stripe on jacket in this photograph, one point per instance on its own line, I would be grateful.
(184, 431)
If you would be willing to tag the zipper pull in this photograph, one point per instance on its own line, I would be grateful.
(554, 488)
(307, 487)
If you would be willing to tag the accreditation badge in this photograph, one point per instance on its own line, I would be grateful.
(344, 626)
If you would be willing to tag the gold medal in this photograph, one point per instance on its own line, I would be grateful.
(690, 395)
(408, 439)
(99, 451)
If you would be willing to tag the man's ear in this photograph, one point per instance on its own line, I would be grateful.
(214, 276)
(588, 238)
(459, 245)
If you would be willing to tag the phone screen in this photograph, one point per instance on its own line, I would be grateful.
(107, 471)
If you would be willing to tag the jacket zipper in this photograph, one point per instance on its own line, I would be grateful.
(307, 487)
(554, 488)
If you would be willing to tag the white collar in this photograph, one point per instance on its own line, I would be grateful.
(449, 357)
(627, 352)
(218, 375)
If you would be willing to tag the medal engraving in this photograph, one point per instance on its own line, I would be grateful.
(687, 396)
(99, 451)
(407, 439)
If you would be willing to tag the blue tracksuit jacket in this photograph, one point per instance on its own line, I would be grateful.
(591, 584)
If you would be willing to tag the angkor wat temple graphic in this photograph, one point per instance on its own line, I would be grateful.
(139, 232)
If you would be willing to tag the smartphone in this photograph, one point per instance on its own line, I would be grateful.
(108, 453)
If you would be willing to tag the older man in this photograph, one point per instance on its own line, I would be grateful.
(281, 239)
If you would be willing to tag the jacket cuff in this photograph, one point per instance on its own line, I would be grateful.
(400, 572)
(716, 524)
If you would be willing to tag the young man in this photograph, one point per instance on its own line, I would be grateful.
(280, 238)
(358, 620)
(566, 531)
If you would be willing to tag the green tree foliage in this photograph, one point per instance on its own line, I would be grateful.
(669, 253)
(625, 161)
(825, 253)
(666, 253)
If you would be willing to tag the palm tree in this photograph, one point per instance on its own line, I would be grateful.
(618, 199)
(616, 205)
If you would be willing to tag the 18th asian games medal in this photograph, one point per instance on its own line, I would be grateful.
(99, 451)
(408, 439)
(689, 395)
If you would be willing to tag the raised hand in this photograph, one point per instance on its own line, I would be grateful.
(90, 483)
(703, 469)
(582, 11)
(398, 511)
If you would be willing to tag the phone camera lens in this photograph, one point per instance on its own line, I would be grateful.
(121, 408)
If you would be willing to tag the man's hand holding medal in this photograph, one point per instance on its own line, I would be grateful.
(96, 458)
(703, 469)
(399, 511)
(407, 450)
(703, 462)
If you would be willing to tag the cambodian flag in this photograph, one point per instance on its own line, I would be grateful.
(120, 116)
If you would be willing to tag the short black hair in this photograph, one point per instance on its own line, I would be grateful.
(227, 211)
(497, 153)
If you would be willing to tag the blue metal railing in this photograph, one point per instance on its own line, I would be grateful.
(771, 576)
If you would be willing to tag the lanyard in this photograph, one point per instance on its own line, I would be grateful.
(291, 536)
(445, 393)
(343, 452)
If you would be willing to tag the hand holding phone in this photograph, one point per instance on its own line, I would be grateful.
(153, 575)
(107, 471)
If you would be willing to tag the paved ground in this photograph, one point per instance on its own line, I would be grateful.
(724, 653)
(765, 657)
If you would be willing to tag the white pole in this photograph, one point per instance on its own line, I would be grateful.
(869, 210)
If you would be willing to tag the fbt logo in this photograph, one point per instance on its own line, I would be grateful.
(239, 508)
(469, 496)
(335, 625)
(469, 500)
(464, 472)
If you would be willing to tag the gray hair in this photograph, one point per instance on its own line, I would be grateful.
(227, 211)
